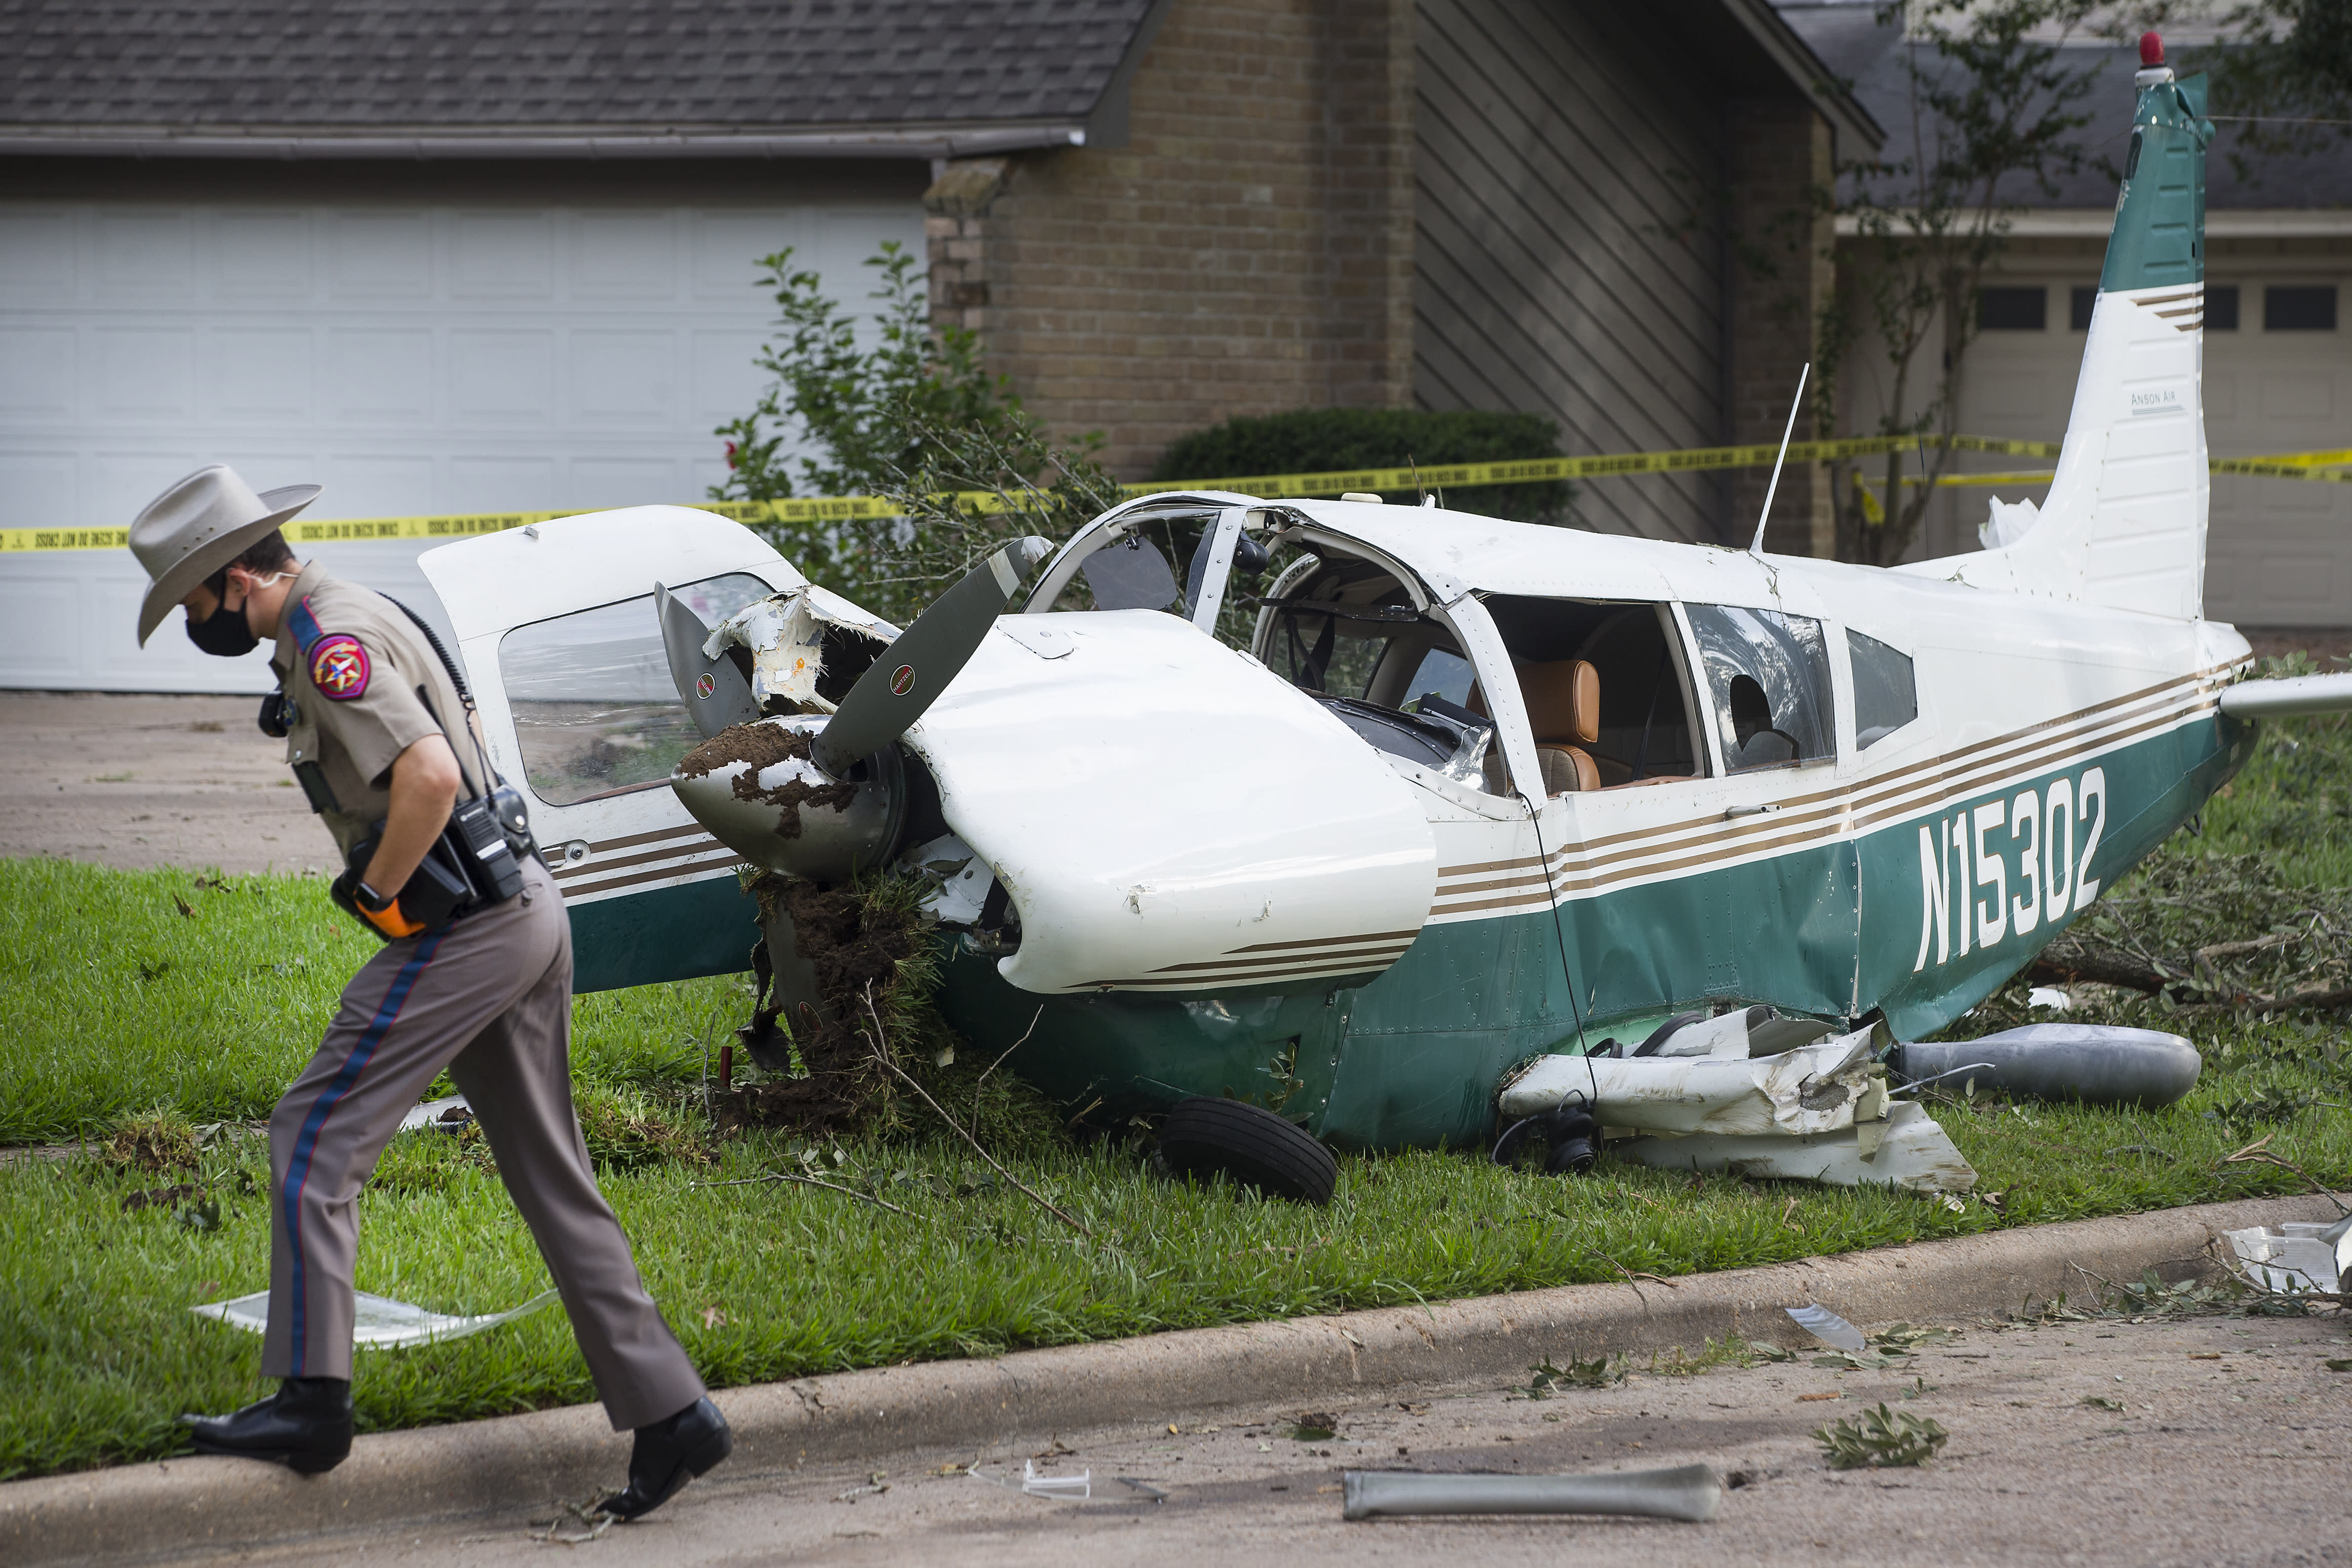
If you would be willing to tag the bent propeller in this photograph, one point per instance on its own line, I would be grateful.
(713, 690)
(912, 672)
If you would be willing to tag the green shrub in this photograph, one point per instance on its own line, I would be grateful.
(917, 419)
(1326, 440)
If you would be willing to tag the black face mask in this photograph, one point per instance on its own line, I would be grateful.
(223, 633)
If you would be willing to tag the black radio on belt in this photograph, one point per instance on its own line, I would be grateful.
(479, 840)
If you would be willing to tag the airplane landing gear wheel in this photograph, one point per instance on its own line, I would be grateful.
(1257, 1148)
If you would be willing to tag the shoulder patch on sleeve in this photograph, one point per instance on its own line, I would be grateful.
(339, 667)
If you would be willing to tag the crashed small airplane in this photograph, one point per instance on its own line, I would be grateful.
(1487, 817)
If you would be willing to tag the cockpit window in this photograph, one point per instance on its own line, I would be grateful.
(1334, 629)
(1443, 674)
(1642, 731)
(596, 712)
(1131, 574)
(1886, 692)
(1768, 675)
(1347, 632)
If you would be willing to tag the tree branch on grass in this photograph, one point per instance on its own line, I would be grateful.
(982, 1082)
(2258, 1153)
(880, 1046)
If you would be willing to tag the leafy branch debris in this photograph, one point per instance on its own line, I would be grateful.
(1881, 1438)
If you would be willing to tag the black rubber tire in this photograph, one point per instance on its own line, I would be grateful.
(1253, 1146)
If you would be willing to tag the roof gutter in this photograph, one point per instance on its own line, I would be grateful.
(955, 141)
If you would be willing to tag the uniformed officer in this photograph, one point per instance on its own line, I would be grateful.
(379, 738)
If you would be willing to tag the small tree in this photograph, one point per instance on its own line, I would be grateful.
(2285, 77)
(1993, 106)
(914, 419)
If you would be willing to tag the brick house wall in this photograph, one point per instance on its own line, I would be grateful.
(1248, 251)
(1251, 250)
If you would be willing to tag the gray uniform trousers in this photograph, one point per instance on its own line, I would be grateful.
(490, 998)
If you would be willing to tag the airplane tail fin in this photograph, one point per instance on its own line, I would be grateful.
(2125, 521)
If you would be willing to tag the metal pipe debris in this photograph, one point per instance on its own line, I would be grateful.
(1691, 1493)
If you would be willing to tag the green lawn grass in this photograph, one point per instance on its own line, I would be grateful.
(113, 1002)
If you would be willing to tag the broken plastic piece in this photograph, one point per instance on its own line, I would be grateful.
(2006, 522)
(1829, 1328)
(1691, 1493)
(1905, 1150)
(785, 637)
(378, 1322)
(442, 1115)
(2049, 997)
(2295, 1258)
(1078, 1487)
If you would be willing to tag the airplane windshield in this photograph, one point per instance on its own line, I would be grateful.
(1349, 633)
(595, 712)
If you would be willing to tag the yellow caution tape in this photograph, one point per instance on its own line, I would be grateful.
(2289, 465)
(1870, 507)
(2334, 467)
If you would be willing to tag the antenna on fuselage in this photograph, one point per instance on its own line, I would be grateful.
(1757, 548)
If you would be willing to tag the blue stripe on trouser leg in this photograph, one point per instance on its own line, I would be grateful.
(297, 1166)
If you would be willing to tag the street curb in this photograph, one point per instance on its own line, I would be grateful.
(528, 1461)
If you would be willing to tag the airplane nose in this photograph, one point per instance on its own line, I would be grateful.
(761, 794)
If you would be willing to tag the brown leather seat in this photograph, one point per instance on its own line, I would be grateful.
(1563, 701)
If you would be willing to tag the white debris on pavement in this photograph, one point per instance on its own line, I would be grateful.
(2296, 1257)
(1828, 1327)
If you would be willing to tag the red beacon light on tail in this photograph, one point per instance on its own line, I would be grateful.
(2151, 50)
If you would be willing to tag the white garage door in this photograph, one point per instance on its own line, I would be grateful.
(2280, 551)
(412, 357)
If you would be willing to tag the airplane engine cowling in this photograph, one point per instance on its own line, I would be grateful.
(758, 790)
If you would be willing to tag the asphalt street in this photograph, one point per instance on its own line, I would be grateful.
(2200, 1441)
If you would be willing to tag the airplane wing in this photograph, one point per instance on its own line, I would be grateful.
(2285, 699)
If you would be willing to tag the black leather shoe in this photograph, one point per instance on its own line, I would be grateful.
(669, 1455)
(306, 1425)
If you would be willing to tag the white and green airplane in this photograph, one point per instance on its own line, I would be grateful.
(1477, 791)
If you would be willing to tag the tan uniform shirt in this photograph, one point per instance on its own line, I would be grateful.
(359, 675)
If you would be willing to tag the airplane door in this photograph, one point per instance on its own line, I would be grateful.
(1773, 873)
(559, 641)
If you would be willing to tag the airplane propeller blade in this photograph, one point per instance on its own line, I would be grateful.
(909, 675)
(714, 691)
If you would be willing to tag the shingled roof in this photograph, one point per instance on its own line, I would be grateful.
(1866, 48)
(619, 75)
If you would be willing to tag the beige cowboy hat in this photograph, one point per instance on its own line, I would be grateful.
(198, 526)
